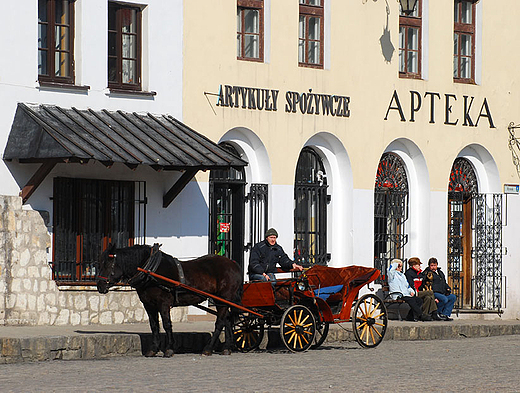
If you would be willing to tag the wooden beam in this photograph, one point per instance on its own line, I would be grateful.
(178, 186)
(36, 179)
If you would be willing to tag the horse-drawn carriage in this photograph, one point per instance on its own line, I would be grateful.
(303, 307)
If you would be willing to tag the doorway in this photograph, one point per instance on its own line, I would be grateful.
(462, 188)
(226, 211)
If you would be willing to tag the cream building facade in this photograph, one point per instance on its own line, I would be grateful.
(348, 115)
(389, 95)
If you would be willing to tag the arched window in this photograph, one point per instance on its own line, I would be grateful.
(463, 179)
(390, 210)
(231, 174)
(310, 212)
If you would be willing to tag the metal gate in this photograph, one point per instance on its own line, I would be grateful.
(226, 211)
(310, 210)
(462, 188)
(258, 213)
(488, 219)
(390, 211)
(474, 241)
(455, 245)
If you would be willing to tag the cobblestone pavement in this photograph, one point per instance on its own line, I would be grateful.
(479, 364)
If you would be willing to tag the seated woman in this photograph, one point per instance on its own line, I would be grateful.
(399, 288)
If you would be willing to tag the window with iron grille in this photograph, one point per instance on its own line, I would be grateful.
(464, 42)
(390, 211)
(310, 210)
(310, 43)
(89, 214)
(410, 43)
(56, 41)
(250, 30)
(124, 47)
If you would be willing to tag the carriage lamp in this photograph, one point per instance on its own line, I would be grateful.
(407, 6)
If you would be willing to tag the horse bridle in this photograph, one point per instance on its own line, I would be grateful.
(107, 279)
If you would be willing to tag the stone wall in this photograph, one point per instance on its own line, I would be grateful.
(28, 294)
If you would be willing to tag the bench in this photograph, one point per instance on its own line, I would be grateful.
(392, 304)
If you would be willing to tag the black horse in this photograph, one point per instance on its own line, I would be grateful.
(213, 274)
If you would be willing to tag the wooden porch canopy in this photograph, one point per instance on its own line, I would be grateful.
(50, 135)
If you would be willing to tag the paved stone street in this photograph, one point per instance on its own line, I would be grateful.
(476, 364)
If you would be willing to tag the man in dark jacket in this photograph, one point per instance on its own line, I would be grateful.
(442, 291)
(266, 255)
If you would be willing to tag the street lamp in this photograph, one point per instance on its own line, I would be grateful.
(408, 6)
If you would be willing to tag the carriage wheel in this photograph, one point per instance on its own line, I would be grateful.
(322, 329)
(248, 332)
(369, 321)
(297, 328)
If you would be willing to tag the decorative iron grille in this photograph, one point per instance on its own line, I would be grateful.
(488, 221)
(258, 213)
(226, 211)
(390, 211)
(455, 246)
(89, 214)
(310, 211)
(462, 187)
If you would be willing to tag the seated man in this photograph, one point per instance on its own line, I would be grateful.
(399, 288)
(442, 291)
(415, 278)
(264, 257)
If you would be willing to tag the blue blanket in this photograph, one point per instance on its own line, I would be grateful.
(325, 292)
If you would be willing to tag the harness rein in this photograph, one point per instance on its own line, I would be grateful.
(152, 264)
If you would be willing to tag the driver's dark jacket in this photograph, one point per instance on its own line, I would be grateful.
(264, 257)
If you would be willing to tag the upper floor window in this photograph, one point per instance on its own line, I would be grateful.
(250, 30)
(55, 41)
(464, 42)
(410, 43)
(124, 46)
(310, 44)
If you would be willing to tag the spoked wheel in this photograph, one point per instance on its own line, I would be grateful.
(322, 329)
(369, 321)
(297, 328)
(248, 332)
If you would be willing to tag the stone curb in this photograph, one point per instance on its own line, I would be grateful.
(103, 345)
(429, 331)
(92, 346)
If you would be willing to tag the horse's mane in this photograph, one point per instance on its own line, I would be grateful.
(130, 258)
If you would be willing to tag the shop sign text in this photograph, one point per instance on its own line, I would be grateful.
(267, 99)
(455, 109)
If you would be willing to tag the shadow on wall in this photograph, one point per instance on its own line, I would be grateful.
(387, 48)
(187, 215)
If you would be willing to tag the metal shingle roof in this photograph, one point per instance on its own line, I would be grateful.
(47, 132)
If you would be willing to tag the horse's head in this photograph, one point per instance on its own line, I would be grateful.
(109, 272)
